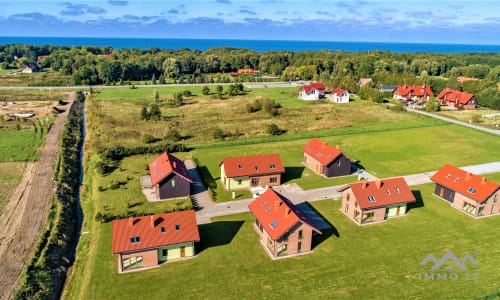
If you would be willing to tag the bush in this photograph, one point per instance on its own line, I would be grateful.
(173, 135)
(149, 139)
(186, 93)
(205, 90)
(219, 134)
(273, 129)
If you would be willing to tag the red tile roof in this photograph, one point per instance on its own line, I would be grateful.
(258, 164)
(455, 96)
(462, 79)
(338, 91)
(363, 81)
(383, 192)
(308, 88)
(154, 231)
(248, 71)
(164, 165)
(468, 184)
(321, 151)
(409, 91)
(277, 214)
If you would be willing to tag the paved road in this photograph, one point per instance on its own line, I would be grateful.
(298, 196)
(200, 195)
(488, 130)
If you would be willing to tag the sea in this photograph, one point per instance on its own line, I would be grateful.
(256, 45)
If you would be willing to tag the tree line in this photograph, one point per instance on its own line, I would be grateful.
(88, 65)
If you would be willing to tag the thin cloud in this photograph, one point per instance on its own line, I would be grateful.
(223, 1)
(247, 11)
(173, 11)
(80, 9)
(118, 2)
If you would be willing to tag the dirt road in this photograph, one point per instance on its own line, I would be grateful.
(25, 214)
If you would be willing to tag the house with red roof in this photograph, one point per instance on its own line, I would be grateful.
(413, 92)
(312, 91)
(376, 201)
(251, 171)
(326, 160)
(470, 193)
(339, 95)
(148, 241)
(457, 99)
(169, 177)
(284, 230)
(364, 81)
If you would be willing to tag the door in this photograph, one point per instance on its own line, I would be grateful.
(183, 251)
(299, 247)
(397, 210)
(441, 192)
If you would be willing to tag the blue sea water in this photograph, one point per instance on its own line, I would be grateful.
(257, 45)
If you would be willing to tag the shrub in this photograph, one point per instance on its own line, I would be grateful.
(205, 90)
(173, 135)
(186, 93)
(219, 134)
(149, 139)
(273, 129)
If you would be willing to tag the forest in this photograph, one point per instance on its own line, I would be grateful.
(87, 65)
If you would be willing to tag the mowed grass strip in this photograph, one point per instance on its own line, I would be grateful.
(10, 176)
(19, 145)
(379, 261)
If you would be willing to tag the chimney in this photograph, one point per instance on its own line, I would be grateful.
(152, 219)
(468, 176)
(378, 183)
(277, 204)
(365, 185)
(483, 181)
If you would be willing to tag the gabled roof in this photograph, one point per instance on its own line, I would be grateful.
(277, 214)
(321, 151)
(468, 184)
(308, 88)
(383, 192)
(363, 81)
(409, 91)
(166, 164)
(139, 233)
(258, 164)
(338, 91)
(463, 79)
(455, 96)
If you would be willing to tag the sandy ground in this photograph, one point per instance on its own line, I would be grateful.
(25, 214)
(39, 108)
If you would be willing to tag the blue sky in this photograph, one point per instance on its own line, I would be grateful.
(438, 21)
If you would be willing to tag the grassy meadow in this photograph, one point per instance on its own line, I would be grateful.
(19, 145)
(379, 261)
(474, 116)
(10, 175)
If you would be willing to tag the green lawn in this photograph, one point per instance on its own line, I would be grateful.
(379, 261)
(10, 176)
(19, 145)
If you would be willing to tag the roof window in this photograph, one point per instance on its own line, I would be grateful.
(272, 166)
(457, 179)
(177, 227)
(162, 229)
(274, 224)
(471, 190)
(135, 239)
(448, 175)
(371, 199)
(263, 203)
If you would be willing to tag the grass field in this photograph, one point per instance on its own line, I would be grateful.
(118, 110)
(380, 261)
(37, 78)
(10, 176)
(470, 115)
(19, 145)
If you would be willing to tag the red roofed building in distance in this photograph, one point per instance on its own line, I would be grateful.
(169, 177)
(375, 201)
(339, 95)
(251, 171)
(457, 99)
(283, 228)
(148, 241)
(463, 79)
(470, 193)
(364, 81)
(312, 91)
(413, 92)
(326, 160)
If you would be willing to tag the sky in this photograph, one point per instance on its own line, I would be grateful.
(436, 21)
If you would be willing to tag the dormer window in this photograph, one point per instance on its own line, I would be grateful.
(177, 227)
(272, 166)
(371, 199)
(162, 229)
(448, 176)
(256, 168)
(397, 190)
(388, 192)
(457, 179)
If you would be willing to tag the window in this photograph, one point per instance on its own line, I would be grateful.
(319, 154)
(172, 183)
(135, 239)
(177, 227)
(282, 249)
(480, 212)
(356, 204)
(471, 190)
(285, 237)
(388, 192)
(239, 181)
(272, 166)
(346, 207)
(263, 203)
(239, 166)
(164, 252)
(268, 208)
(162, 229)
(397, 190)
(256, 168)
(301, 234)
(339, 163)
(299, 247)
(132, 262)
(457, 179)
(348, 196)
(255, 181)
(274, 224)
(448, 176)
(371, 199)
(273, 180)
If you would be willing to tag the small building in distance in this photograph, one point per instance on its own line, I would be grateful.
(376, 201)
(312, 91)
(148, 241)
(364, 81)
(326, 160)
(169, 177)
(284, 230)
(339, 95)
(457, 99)
(251, 171)
(470, 193)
